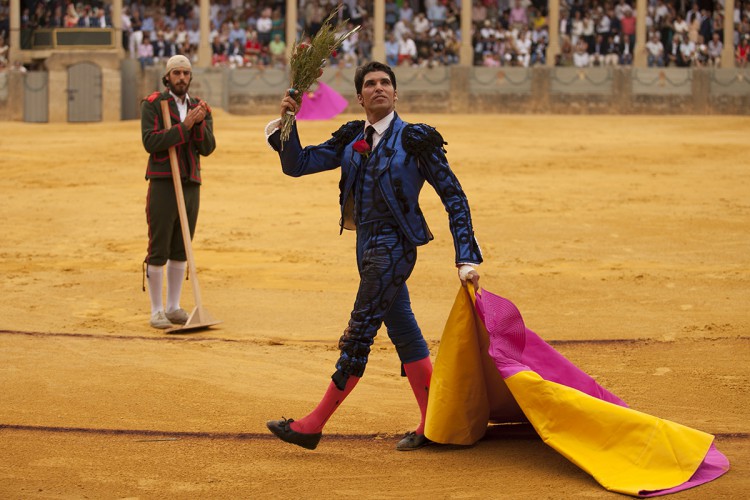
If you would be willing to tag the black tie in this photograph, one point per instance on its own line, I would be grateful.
(369, 131)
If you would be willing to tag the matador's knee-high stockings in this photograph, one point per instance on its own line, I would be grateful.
(316, 420)
(419, 374)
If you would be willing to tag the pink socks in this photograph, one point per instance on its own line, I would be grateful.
(316, 420)
(419, 374)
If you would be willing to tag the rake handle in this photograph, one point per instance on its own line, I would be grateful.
(177, 180)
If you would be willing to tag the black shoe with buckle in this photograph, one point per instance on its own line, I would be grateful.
(283, 430)
(413, 441)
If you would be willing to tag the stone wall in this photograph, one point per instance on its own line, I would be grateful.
(607, 90)
(524, 90)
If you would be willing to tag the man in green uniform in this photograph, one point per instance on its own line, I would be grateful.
(191, 134)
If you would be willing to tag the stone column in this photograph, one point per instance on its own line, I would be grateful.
(15, 32)
(466, 52)
(116, 13)
(639, 57)
(727, 53)
(204, 46)
(378, 28)
(553, 25)
(291, 26)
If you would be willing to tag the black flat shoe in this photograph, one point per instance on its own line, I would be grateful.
(412, 441)
(283, 430)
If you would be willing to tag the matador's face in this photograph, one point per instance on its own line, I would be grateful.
(378, 96)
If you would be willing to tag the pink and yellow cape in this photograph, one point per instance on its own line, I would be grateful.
(491, 368)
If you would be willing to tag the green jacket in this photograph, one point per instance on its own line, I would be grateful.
(190, 145)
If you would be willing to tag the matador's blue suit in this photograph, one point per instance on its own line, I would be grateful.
(380, 199)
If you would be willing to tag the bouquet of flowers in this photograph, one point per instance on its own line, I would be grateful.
(307, 62)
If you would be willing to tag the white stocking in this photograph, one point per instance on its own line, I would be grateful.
(155, 281)
(175, 276)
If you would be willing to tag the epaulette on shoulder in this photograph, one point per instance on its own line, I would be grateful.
(419, 138)
(153, 96)
(347, 133)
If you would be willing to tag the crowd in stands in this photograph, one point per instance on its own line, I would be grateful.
(252, 33)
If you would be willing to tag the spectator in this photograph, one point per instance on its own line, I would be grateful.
(314, 15)
(598, 51)
(421, 24)
(423, 44)
(522, 45)
(576, 28)
(193, 35)
(391, 14)
(611, 52)
(87, 19)
(620, 9)
(687, 52)
(236, 54)
(627, 24)
(706, 29)
(589, 29)
(661, 13)
(71, 16)
(136, 33)
(56, 19)
(437, 14)
(101, 19)
(349, 57)
(694, 14)
(277, 50)
(407, 51)
(148, 25)
(145, 51)
(672, 57)
(218, 51)
(453, 16)
(452, 48)
(163, 48)
(581, 58)
(742, 52)
(437, 49)
(478, 13)
(181, 36)
(400, 28)
(127, 27)
(680, 27)
(278, 24)
(237, 33)
(655, 51)
(406, 13)
(615, 26)
(565, 58)
(518, 17)
(364, 49)
(264, 25)
(715, 47)
(253, 50)
(626, 50)
(539, 52)
(391, 50)
(357, 14)
(4, 49)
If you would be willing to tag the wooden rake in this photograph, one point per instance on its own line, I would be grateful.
(199, 318)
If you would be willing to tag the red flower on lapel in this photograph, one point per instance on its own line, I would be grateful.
(362, 148)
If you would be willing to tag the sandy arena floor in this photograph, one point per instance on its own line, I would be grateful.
(623, 241)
